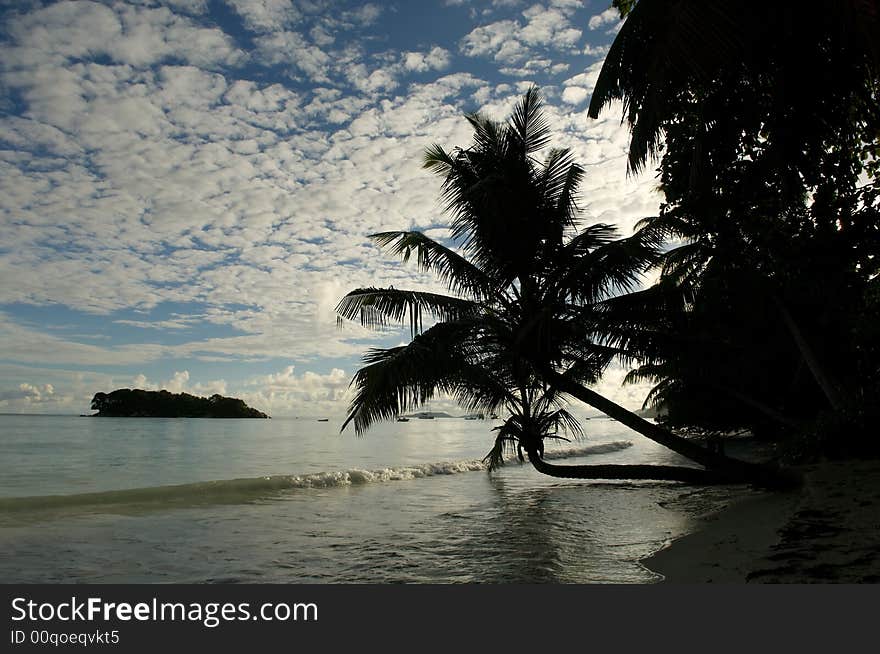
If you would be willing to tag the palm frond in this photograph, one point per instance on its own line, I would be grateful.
(450, 357)
(437, 160)
(489, 136)
(528, 124)
(459, 274)
(398, 379)
(658, 51)
(566, 203)
(505, 445)
(646, 372)
(612, 268)
(379, 307)
(557, 182)
(657, 395)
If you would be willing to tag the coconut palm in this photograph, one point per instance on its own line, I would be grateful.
(529, 309)
(815, 68)
(767, 118)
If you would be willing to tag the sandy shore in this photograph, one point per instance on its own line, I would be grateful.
(827, 532)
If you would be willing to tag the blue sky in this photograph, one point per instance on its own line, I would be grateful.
(186, 186)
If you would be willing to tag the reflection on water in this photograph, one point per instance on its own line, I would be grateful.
(514, 526)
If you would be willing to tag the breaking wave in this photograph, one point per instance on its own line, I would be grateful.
(233, 491)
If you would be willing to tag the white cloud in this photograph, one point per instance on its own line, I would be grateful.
(294, 50)
(548, 27)
(510, 41)
(364, 15)
(266, 15)
(585, 83)
(136, 36)
(29, 393)
(147, 169)
(607, 17)
(436, 58)
(180, 383)
(309, 393)
(488, 39)
(575, 94)
(596, 51)
(177, 383)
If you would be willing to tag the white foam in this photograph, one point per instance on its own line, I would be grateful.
(358, 476)
(231, 490)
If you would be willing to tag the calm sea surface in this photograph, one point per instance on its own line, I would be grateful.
(131, 500)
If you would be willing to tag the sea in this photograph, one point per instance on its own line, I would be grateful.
(154, 500)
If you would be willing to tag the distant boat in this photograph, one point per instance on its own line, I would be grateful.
(402, 419)
(323, 419)
(426, 417)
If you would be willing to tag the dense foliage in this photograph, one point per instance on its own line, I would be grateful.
(765, 120)
(126, 402)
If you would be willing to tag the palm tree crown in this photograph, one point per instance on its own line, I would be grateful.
(528, 290)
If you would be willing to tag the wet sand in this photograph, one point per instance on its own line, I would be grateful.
(826, 532)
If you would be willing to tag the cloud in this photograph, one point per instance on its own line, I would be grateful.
(582, 84)
(607, 17)
(29, 393)
(180, 383)
(575, 94)
(213, 195)
(177, 383)
(308, 393)
(488, 39)
(266, 15)
(130, 35)
(364, 15)
(21, 344)
(294, 49)
(436, 58)
(510, 41)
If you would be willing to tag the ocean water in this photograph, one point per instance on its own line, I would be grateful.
(151, 500)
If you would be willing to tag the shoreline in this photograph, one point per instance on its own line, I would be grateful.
(828, 531)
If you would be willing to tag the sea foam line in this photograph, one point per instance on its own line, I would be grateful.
(236, 490)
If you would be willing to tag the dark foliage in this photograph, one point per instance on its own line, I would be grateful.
(765, 120)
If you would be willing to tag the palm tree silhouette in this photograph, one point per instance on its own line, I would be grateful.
(531, 313)
(670, 60)
(766, 115)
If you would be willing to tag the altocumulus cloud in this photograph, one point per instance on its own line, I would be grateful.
(188, 185)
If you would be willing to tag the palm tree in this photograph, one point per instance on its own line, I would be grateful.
(767, 117)
(530, 304)
(725, 337)
(816, 65)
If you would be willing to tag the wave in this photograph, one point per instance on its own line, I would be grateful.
(241, 490)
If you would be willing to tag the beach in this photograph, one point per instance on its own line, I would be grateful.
(828, 531)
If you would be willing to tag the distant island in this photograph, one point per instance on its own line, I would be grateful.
(136, 403)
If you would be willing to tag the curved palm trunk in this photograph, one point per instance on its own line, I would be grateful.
(662, 473)
(731, 469)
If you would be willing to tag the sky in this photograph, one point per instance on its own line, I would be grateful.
(187, 186)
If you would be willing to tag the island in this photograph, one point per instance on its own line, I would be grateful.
(137, 403)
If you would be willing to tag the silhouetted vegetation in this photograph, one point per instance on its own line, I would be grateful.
(136, 403)
(765, 120)
(535, 310)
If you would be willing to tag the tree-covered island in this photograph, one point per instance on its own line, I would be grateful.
(137, 403)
